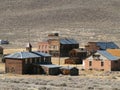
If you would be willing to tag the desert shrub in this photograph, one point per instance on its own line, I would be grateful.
(63, 84)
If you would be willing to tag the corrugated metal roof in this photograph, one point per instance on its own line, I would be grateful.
(108, 55)
(42, 54)
(68, 41)
(50, 65)
(105, 45)
(73, 41)
(22, 55)
(64, 41)
(67, 67)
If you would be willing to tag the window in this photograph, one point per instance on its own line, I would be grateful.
(96, 57)
(90, 63)
(45, 46)
(42, 46)
(102, 63)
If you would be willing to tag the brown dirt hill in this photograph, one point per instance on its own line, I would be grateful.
(84, 20)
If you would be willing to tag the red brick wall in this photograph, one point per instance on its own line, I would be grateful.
(96, 65)
(43, 47)
(91, 46)
(14, 66)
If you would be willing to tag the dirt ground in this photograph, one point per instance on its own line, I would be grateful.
(86, 80)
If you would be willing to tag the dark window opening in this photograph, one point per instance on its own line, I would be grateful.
(102, 63)
(90, 63)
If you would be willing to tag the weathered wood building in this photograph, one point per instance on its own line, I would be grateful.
(69, 70)
(47, 69)
(76, 56)
(102, 60)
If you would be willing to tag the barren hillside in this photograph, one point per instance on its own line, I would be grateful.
(84, 20)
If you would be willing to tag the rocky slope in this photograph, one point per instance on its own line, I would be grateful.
(84, 20)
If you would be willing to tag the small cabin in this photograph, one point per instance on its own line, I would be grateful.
(50, 69)
(67, 70)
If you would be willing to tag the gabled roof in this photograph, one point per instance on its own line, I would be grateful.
(105, 45)
(23, 55)
(68, 41)
(115, 52)
(107, 55)
(28, 45)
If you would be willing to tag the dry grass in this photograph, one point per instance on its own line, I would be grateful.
(9, 51)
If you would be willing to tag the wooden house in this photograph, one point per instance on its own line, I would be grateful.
(76, 56)
(66, 45)
(67, 70)
(47, 69)
(102, 60)
(50, 69)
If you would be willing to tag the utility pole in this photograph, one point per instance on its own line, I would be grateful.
(59, 49)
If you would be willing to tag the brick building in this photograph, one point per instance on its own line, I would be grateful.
(22, 62)
(102, 60)
(94, 46)
(43, 47)
(57, 46)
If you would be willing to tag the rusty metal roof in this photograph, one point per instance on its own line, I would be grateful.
(108, 55)
(115, 52)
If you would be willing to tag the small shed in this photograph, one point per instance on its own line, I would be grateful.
(50, 69)
(69, 70)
